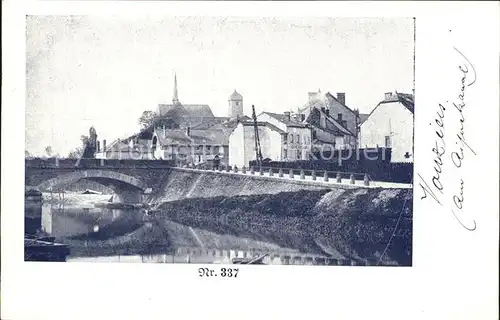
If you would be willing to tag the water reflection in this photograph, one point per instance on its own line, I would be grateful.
(116, 235)
(73, 221)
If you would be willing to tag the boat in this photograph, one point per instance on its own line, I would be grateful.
(44, 249)
(41, 238)
(255, 260)
(90, 191)
(124, 206)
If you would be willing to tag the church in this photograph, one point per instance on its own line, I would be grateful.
(187, 133)
(191, 134)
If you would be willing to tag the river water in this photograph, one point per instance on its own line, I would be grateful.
(116, 235)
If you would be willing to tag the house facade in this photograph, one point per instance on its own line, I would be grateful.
(298, 142)
(128, 149)
(242, 143)
(190, 146)
(333, 123)
(390, 125)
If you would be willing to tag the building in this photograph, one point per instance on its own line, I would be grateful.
(332, 122)
(131, 148)
(298, 144)
(187, 133)
(235, 105)
(182, 115)
(390, 125)
(273, 142)
(191, 146)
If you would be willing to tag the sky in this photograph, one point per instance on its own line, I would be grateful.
(100, 71)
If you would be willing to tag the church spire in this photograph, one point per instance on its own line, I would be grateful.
(175, 99)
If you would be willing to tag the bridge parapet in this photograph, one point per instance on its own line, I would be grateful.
(146, 175)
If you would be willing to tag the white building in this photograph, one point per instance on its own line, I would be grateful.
(390, 125)
(131, 148)
(242, 143)
(298, 144)
(190, 146)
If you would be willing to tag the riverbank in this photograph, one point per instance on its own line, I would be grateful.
(357, 224)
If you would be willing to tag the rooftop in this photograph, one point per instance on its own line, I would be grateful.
(405, 99)
(235, 96)
(288, 120)
(185, 110)
(262, 124)
(199, 137)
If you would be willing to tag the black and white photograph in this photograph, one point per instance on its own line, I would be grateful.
(250, 160)
(219, 140)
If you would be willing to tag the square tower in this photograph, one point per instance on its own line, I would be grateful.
(235, 105)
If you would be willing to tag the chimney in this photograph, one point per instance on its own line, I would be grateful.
(388, 95)
(104, 145)
(287, 115)
(341, 97)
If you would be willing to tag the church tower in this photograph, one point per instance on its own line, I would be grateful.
(235, 105)
(175, 99)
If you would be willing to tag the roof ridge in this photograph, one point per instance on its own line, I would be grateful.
(343, 104)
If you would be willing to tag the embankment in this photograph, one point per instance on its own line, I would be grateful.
(357, 223)
(181, 184)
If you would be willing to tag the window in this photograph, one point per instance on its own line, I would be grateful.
(298, 138)
(299, 154)
(291, 138)
(340, 117)
(285, 154)
(387, 141)
(237, 103)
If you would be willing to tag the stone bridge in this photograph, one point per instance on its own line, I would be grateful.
(130, 179)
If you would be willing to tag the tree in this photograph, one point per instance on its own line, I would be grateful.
(84, 139)
(76, 153)
(48, 151)
(146, 119)
(89, 144)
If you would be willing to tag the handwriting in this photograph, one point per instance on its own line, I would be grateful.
(435, 190)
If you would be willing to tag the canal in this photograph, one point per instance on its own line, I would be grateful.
(116, 235)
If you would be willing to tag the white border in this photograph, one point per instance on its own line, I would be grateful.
(455, 272)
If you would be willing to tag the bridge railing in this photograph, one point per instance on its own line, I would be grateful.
(296, 174)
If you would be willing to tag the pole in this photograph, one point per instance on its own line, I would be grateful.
(258, 152)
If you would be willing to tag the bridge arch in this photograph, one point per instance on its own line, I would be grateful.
(106, 177)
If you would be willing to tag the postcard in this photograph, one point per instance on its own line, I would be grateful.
(220, 152)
